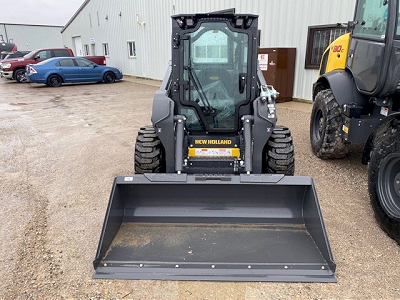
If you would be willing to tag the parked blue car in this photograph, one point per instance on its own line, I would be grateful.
(58, 70)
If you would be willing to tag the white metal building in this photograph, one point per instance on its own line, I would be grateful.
(31, 37)
(135, 35)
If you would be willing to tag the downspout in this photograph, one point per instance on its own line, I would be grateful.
(5, 31)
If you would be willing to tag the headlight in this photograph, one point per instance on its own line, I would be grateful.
(6, 66)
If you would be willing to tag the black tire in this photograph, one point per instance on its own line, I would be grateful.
(279, 156)
(149, 157)
(54, 81)
(20, 76)
(109, 77)
(325, 127)
(384, 183)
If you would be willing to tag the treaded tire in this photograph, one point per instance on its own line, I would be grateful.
(325, 126)
(54, 81)
(149, 156)
(384, 183)
(279, 156)
(20, 76)
(109, 77)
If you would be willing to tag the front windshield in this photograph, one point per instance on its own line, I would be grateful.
(215, 61)
(29, 54)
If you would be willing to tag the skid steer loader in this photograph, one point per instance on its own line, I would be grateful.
(357, 100)
(214, 196)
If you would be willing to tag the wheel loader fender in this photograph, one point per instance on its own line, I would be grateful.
(341, 82)
(334, 57)
(388, 123)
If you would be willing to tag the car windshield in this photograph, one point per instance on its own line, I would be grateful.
(29, 54)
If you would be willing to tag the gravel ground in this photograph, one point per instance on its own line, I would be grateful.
(60, 149)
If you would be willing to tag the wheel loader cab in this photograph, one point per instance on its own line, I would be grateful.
(372, 40)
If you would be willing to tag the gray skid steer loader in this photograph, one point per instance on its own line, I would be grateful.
(213, 196)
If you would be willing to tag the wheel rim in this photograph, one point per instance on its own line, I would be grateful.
(20, 76)
(318, 125)
(389, 185)
(55, 81)
(109, 77)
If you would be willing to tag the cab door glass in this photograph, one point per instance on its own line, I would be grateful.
(215, 59)
(371, 17)
(398, 20)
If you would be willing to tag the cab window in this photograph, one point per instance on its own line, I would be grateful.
(398, 21)
(371, 17)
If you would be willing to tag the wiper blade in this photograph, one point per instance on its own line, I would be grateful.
(197, 85)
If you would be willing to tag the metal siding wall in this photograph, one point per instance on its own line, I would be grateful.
(283, 23)
(31, 37)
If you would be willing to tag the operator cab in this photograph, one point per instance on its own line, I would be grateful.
(373, 50)
(214, 73)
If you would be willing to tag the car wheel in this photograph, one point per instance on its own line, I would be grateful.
(325, 127)
(20, 76)
(54, 81)
(109, 77)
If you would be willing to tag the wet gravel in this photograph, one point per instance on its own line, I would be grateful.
(60, 149)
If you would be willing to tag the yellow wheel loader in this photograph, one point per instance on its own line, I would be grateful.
(213, 196)
(357, 100)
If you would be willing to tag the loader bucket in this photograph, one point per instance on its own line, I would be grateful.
(219, 228)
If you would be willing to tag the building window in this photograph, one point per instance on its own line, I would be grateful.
(318, 39)
(86, 46)
(132, 49)
(105, 49)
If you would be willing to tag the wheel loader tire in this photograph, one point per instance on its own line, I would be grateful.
(280, 152)
(148, 152)
(325, 126)
(384, 184)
